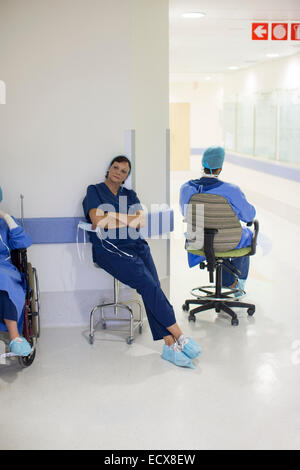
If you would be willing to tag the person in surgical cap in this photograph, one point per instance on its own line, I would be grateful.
(212, 162)
(12, 288)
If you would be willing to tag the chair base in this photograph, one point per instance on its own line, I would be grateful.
(218, 300)
(218, 305)
(133, 324)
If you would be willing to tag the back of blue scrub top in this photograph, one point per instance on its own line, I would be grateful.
(236, 198)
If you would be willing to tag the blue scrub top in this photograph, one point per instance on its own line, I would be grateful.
(124, 202)
(11, 280)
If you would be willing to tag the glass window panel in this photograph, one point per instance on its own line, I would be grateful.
(245, 125)
(289, 140)
(265, 125)
(229, 122)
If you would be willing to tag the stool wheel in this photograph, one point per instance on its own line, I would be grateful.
(91, 339)
(234, 322)
(140, 329)
(192, 317)
(251, 311)
(104, 325)
(129, 340)
(185, 307)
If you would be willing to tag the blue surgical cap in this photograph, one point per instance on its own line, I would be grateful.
(1, 195)
(213, 158)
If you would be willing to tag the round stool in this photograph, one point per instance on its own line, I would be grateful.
(116, 304)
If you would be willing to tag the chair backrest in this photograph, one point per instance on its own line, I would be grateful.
(214, 212)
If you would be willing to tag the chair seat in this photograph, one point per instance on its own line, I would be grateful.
(225, 254)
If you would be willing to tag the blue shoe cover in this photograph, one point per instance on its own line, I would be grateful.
(240, 285)
(176, 356)
(20, 346)
(191, 349)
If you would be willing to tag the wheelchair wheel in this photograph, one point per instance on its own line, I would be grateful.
(35, 299)
(26, 361)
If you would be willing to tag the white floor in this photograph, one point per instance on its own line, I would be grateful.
(243, 394)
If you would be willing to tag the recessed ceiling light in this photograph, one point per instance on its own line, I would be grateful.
(233, 67)
(272, 55)
(194, 14)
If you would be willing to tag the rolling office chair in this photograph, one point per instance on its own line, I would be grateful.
(213, 231)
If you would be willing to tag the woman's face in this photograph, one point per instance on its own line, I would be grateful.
(118, 172)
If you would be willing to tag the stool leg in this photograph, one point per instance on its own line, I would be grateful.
(116, 295)
(103, 322)
(130, 339)
(141, 318)
(91, 337)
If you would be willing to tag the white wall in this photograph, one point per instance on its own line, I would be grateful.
(150, 90)
(268, 112)
(66, 68)
(2, 92)
(206, 99)
(78, 74)
(276, 74)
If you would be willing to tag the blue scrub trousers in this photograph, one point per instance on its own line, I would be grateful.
(139, 272)
(8, 310)
(242, 264)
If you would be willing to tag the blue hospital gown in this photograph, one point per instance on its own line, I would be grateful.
(11, 279)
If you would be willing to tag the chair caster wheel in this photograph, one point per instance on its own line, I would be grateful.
(192, 317)
(251, 311)
(91, 339)
(129, 340)
(217, 309)
(185, 308)
(234, 322)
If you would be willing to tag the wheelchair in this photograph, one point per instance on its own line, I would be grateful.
(31, 311)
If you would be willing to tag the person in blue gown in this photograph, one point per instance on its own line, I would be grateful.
(120, 250)
(212, 161)
(12, 283)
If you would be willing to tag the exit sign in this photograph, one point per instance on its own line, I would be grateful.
(277, 31)
(260, 31)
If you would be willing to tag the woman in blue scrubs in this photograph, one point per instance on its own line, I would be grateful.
(12, 288)
(119, 249)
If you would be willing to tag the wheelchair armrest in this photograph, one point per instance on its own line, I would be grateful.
(254, 238)
(19, 258)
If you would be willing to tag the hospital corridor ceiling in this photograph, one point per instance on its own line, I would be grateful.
(222, 39)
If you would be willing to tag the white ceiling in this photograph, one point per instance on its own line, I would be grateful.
(222, 38)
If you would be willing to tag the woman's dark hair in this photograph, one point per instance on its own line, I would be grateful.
(120, 158)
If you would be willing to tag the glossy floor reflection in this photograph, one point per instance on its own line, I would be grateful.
(243, 394)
